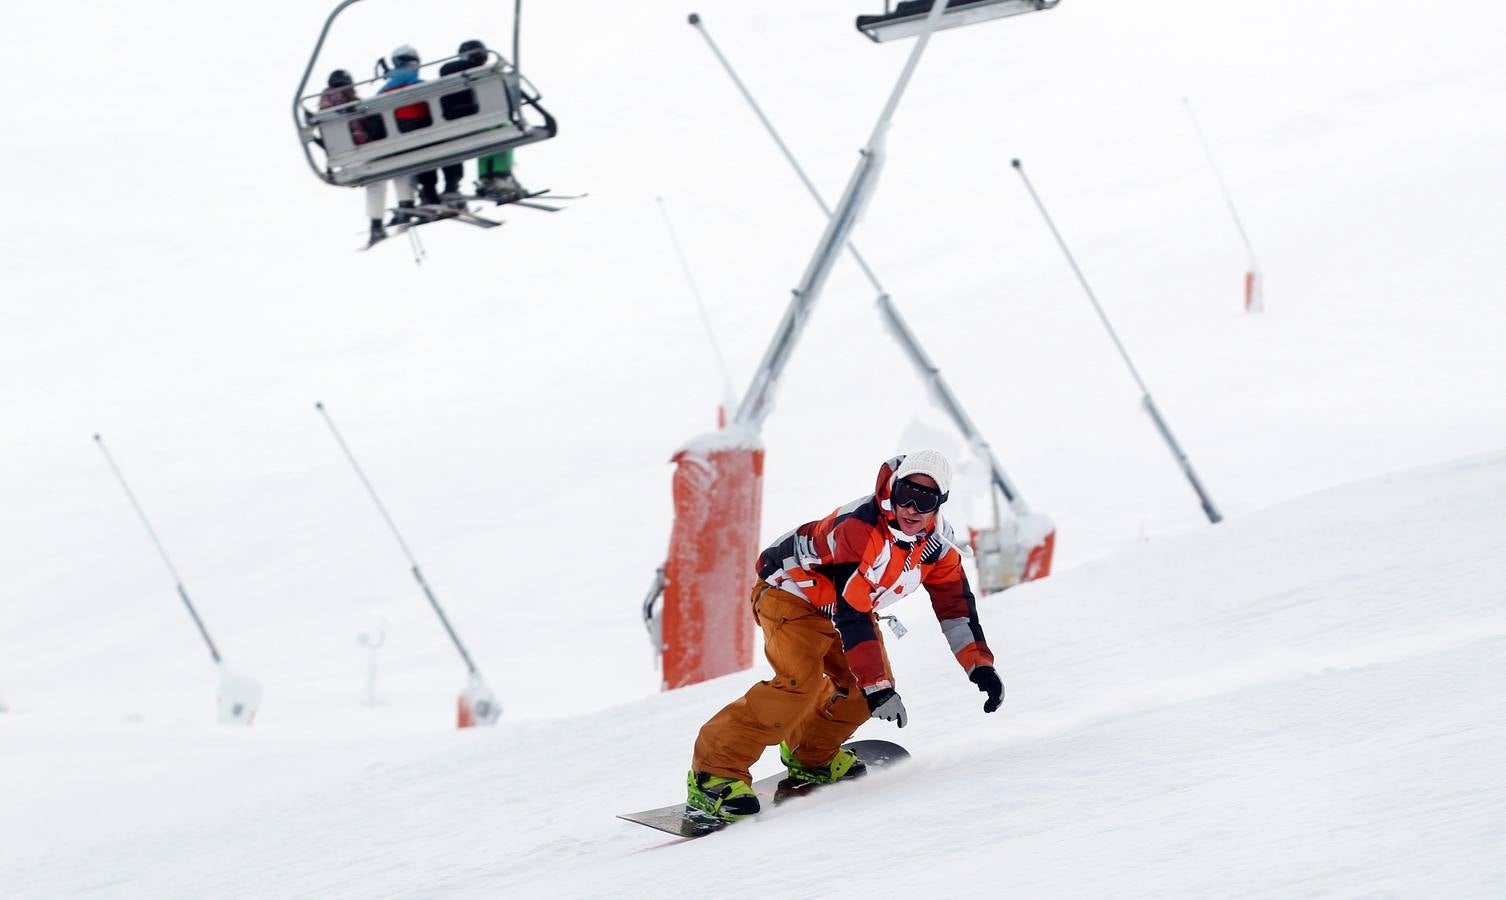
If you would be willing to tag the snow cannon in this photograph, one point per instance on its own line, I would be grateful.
(477, 704)
(239, 698)
(718, 497)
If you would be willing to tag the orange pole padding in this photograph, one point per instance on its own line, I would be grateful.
(718, 491)
(1254, 302)
(1038, 562)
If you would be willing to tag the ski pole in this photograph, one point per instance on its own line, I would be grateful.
(906, 338)
(417, 574)
(182, 592)
(418, 246)
(1150, 406)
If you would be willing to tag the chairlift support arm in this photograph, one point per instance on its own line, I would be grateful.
(906, 338)
(757, 400)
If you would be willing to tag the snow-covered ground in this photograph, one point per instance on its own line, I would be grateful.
(1302, 700)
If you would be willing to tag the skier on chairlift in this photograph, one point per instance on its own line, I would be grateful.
(493, 173)
(339, 91)
(403, 73)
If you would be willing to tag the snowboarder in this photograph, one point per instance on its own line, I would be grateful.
(817, 598)
(405, 63)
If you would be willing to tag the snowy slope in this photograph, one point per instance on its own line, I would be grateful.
(175, 279)
(1305, 702)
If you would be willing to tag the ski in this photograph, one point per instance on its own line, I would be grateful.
(438, 213)
(539, 206)
(526, 198)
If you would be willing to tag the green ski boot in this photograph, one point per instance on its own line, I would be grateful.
(727, 799)
(842, 766)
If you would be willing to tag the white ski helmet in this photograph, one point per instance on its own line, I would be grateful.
(927, 462)
(404, 54)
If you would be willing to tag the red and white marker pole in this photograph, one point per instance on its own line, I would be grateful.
(1254, 301)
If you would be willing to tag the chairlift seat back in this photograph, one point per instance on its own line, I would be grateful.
(458, 117)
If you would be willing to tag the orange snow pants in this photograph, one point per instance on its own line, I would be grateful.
(812, 703)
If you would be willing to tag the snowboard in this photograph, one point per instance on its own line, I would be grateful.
(685, 821)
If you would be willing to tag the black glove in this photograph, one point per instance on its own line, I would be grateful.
(885, 704)
(988, 682)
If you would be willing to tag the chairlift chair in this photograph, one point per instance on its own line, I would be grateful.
(473, 113)
(909, 17)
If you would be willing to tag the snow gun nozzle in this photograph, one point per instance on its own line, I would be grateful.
(1015, 163)
(96, 435)
(695, 18)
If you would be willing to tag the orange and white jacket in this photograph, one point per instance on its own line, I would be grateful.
(856, 561)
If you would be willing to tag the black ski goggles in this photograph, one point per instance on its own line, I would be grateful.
(923, 499)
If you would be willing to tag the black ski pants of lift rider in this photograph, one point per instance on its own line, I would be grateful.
(426, 182)
(453, 173)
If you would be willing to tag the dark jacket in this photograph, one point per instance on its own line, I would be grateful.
(460, 104)
(339, 96)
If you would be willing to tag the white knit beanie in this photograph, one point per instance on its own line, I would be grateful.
(927, 462)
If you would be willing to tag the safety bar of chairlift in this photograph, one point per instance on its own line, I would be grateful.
(474, 73)
(528, 94)
(889, 28)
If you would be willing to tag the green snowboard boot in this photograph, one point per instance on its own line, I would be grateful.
(844, 765)
(726, 798)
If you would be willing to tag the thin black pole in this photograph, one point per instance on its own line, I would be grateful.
(182, 592)
(729, 393)
(1150, 405)
(1222, 185)
(417, 574)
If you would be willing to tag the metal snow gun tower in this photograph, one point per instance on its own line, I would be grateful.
(703, 629)
(476, 705)
(239, 697)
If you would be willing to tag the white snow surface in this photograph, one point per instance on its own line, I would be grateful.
(1305, 700)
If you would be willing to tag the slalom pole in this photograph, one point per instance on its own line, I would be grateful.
(729, 394)
(928, 370)
(1253, 300)
(214, 652)
(1150, 405)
